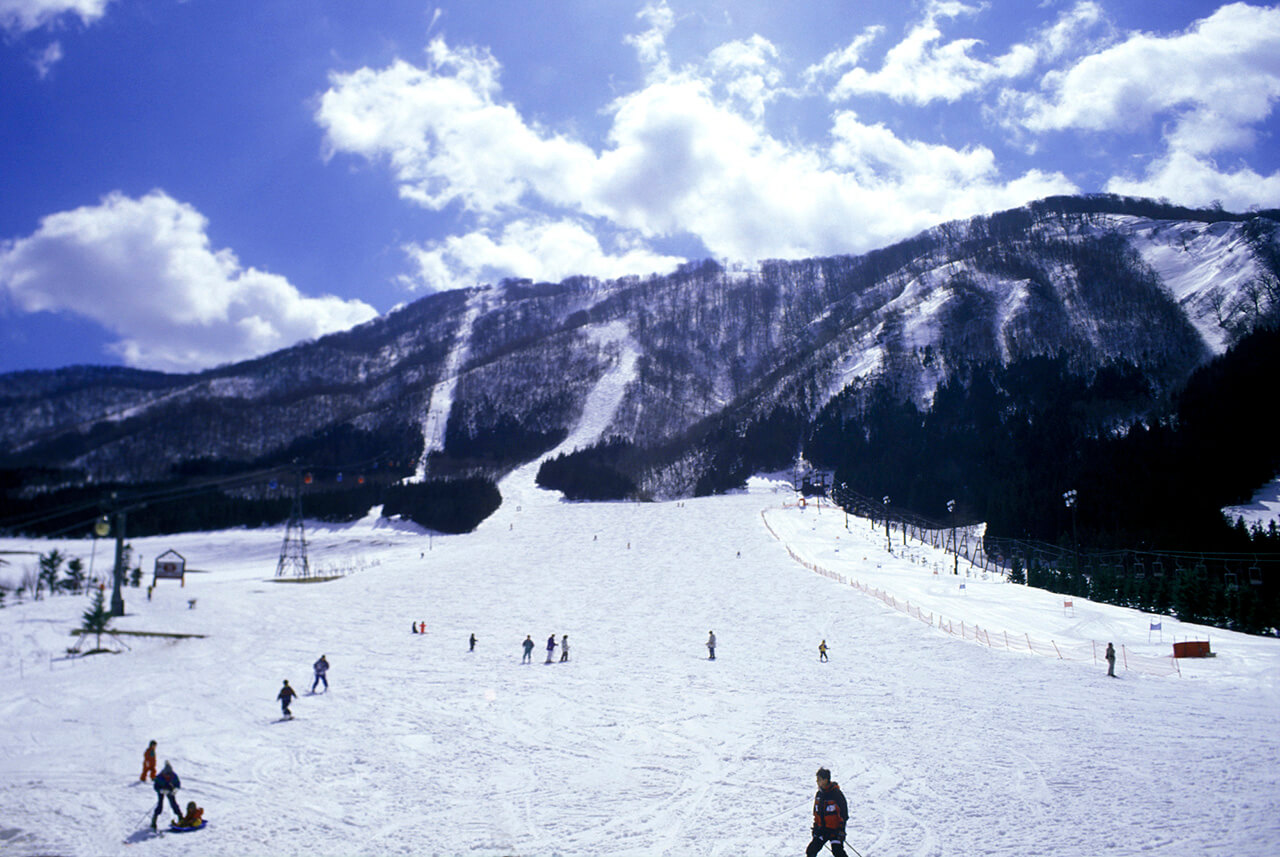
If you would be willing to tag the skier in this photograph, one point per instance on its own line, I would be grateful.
(711, 645)
(286, 696)
(148, 763)
(1111, 660)
(321, 667)
(822, 650)
(473, 643)
(528, 650)
(830, 811)
(166, 784)
(551, 646)
(564, 648)
(415, 627)
(193, 817)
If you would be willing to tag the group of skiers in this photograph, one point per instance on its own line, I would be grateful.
(528, 645)
(165, 783)
(287, 694)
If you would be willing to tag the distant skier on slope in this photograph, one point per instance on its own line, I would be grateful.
(711, 645)
(166, 784)
(148, 762)
(528, 649)
(551, 647)
(822, 650)
(321, 667)
(1111, 660)
(473, 643)
(286, 696)
(564, 648)
(830, 811)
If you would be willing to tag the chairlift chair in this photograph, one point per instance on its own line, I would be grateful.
(1139, 570)
(1255, 575)
(1157, 568)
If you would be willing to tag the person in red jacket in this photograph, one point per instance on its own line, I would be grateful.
(830, 812)
(148, 762)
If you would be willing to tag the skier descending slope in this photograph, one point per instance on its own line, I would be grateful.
(166, 784)
(830, 811)
(286, 696)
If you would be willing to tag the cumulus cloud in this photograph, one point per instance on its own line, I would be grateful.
(925, 67)
(686, 154)
(541, 248)
(1213, 82)
(21, 16)
(144, 270)
(1197, 180)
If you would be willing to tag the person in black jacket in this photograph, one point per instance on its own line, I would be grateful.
(166, 783)
(286, 696)
(830, 812)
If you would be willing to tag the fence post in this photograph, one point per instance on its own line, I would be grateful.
(1059, 651)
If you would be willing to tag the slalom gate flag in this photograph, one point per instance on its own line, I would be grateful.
(1155, 626)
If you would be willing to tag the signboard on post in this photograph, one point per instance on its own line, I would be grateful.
(170, 565)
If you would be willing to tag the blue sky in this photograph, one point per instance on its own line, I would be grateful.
(187, 184)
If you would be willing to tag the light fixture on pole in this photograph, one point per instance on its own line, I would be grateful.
(888, 543)
(955, 552)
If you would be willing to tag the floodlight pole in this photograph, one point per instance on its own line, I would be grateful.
(117, 595)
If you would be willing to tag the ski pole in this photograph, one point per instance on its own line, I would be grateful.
(846, 844)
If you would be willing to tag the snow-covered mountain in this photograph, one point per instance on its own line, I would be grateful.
(499, 374)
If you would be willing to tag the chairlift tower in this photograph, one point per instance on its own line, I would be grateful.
(293, 551)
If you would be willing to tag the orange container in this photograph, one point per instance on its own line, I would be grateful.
(1192, 649)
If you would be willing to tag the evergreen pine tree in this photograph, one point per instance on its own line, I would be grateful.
(97, 618)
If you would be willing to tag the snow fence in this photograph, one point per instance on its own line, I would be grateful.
(1086, 651)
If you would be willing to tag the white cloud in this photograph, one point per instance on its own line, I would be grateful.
(47, 59)
(21, 16)
(1213, 82)
(538, 249)
(922, 68)
(1195, 180)
(144, 270)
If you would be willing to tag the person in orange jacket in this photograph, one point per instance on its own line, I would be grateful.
(148, 763)
(192, 817)
(830, 812)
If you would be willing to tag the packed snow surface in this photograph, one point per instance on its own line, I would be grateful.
(638, 745)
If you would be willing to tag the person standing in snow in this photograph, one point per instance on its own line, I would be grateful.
(286, 696)
(528, 649)
(321, 667)
(473, 643)
(148, 762)
(166, 784)
(711, 645)
(1111, 660)
(830, 812)
(551, 646)
(822, 650)
(564, 648)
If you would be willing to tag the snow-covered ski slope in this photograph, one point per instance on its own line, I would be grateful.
(638, 745)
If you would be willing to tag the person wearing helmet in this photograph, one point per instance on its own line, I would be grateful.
(166, 784)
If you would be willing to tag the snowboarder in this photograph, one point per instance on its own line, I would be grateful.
(193, 817)
(528, 649)
(473, 643)
(830, 811)
(321, 667)
(166, 784)
(551, 646)
(286, 696)
(1111, 660)
(711, 645)
(822, 650)
(564, 648)
(148, 763)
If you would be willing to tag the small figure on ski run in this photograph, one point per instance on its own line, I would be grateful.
(528, 649)
(148, 763)
(286, 696)
(192, 817)
(166, 784)
(564, 648)
(551, 646)
(473, 643)
(711, 645)
(830, 811)
(321, 667)
(1111, 660)
(822, 650)
(415, 627)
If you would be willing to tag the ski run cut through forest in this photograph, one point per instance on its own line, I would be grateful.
(960, 714)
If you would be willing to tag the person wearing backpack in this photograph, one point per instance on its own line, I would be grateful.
(830, 812)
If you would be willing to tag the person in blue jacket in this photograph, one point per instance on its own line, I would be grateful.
(166, 783)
